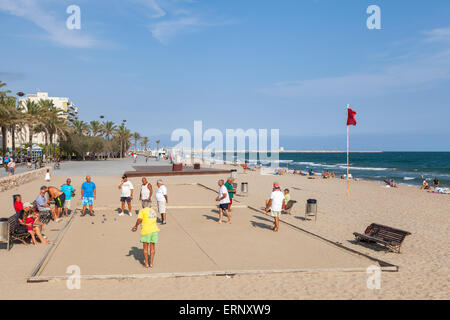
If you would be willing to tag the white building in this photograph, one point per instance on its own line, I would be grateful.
(69, 111)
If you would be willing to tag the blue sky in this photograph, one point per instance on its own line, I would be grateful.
(289, 64)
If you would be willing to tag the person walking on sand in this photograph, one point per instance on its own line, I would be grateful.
(126, 195)
(162, 200)
(47, 175)
(88, 195)
(146, 193)
(67, 188)
(231, 192)
(224, 200)
(275, 204)
(149, 233)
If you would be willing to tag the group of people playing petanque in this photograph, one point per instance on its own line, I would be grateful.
(55, 203)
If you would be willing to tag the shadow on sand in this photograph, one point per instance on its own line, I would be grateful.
(137, 254)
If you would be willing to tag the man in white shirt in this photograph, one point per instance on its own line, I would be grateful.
(126, 194)
(224, 200)
(146, 193)
(162, 200)
(275, 204)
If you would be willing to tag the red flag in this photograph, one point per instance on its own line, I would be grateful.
(351, 118)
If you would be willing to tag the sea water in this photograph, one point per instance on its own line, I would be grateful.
(403, 167)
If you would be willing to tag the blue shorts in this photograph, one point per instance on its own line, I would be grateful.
(88, 201)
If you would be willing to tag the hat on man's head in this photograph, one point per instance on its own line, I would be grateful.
(27, 205)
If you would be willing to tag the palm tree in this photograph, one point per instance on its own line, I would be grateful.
(57, 126)
(32, 116)
(123, 135)
(80, 127)
(95, 128)
(136, 137)
(46, 106)
(5, 114)
(17, 119)
(144, 142)
(109, 129)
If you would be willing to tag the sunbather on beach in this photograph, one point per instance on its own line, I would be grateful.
(436, 182)
(425, 185)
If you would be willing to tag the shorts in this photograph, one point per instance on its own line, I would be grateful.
(161, 206)
(88, 201)
(146, 203)
(150, 238)
(125, 199)
(223, 206)
(59, 201)
(231, 201)
(67, 204)
(275, 213)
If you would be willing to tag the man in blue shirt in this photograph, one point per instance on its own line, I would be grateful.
(67, 189)
(88, 194)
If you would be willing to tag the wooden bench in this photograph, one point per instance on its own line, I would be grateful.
(12, 235)
(389, 237)
(289, 207)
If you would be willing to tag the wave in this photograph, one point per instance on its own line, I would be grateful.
(408, 178)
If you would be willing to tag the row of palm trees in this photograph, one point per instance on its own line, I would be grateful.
(108, 130)
(44, 117)
(38, 117)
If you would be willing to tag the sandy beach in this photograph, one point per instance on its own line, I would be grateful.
(192, 241)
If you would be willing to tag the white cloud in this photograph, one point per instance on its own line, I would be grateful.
(164, 31)
(171, 18)
(54, 27)
(438, 35)
(155, 10)
(409, 73)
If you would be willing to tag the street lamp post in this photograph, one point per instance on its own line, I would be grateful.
(124, 122)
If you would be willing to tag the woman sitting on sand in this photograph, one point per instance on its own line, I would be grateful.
(425, 185)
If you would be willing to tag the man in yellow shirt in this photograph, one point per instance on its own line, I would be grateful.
(149, 233)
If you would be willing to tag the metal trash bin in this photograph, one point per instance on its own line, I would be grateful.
(234, 174)
(244, 187)
(311, 208)
(4, 230)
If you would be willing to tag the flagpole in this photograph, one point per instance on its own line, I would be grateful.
(348, 169)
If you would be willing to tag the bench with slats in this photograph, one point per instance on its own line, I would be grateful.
(389, 237)
(13, 234)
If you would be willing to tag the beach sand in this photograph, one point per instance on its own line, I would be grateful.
(423, 262)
